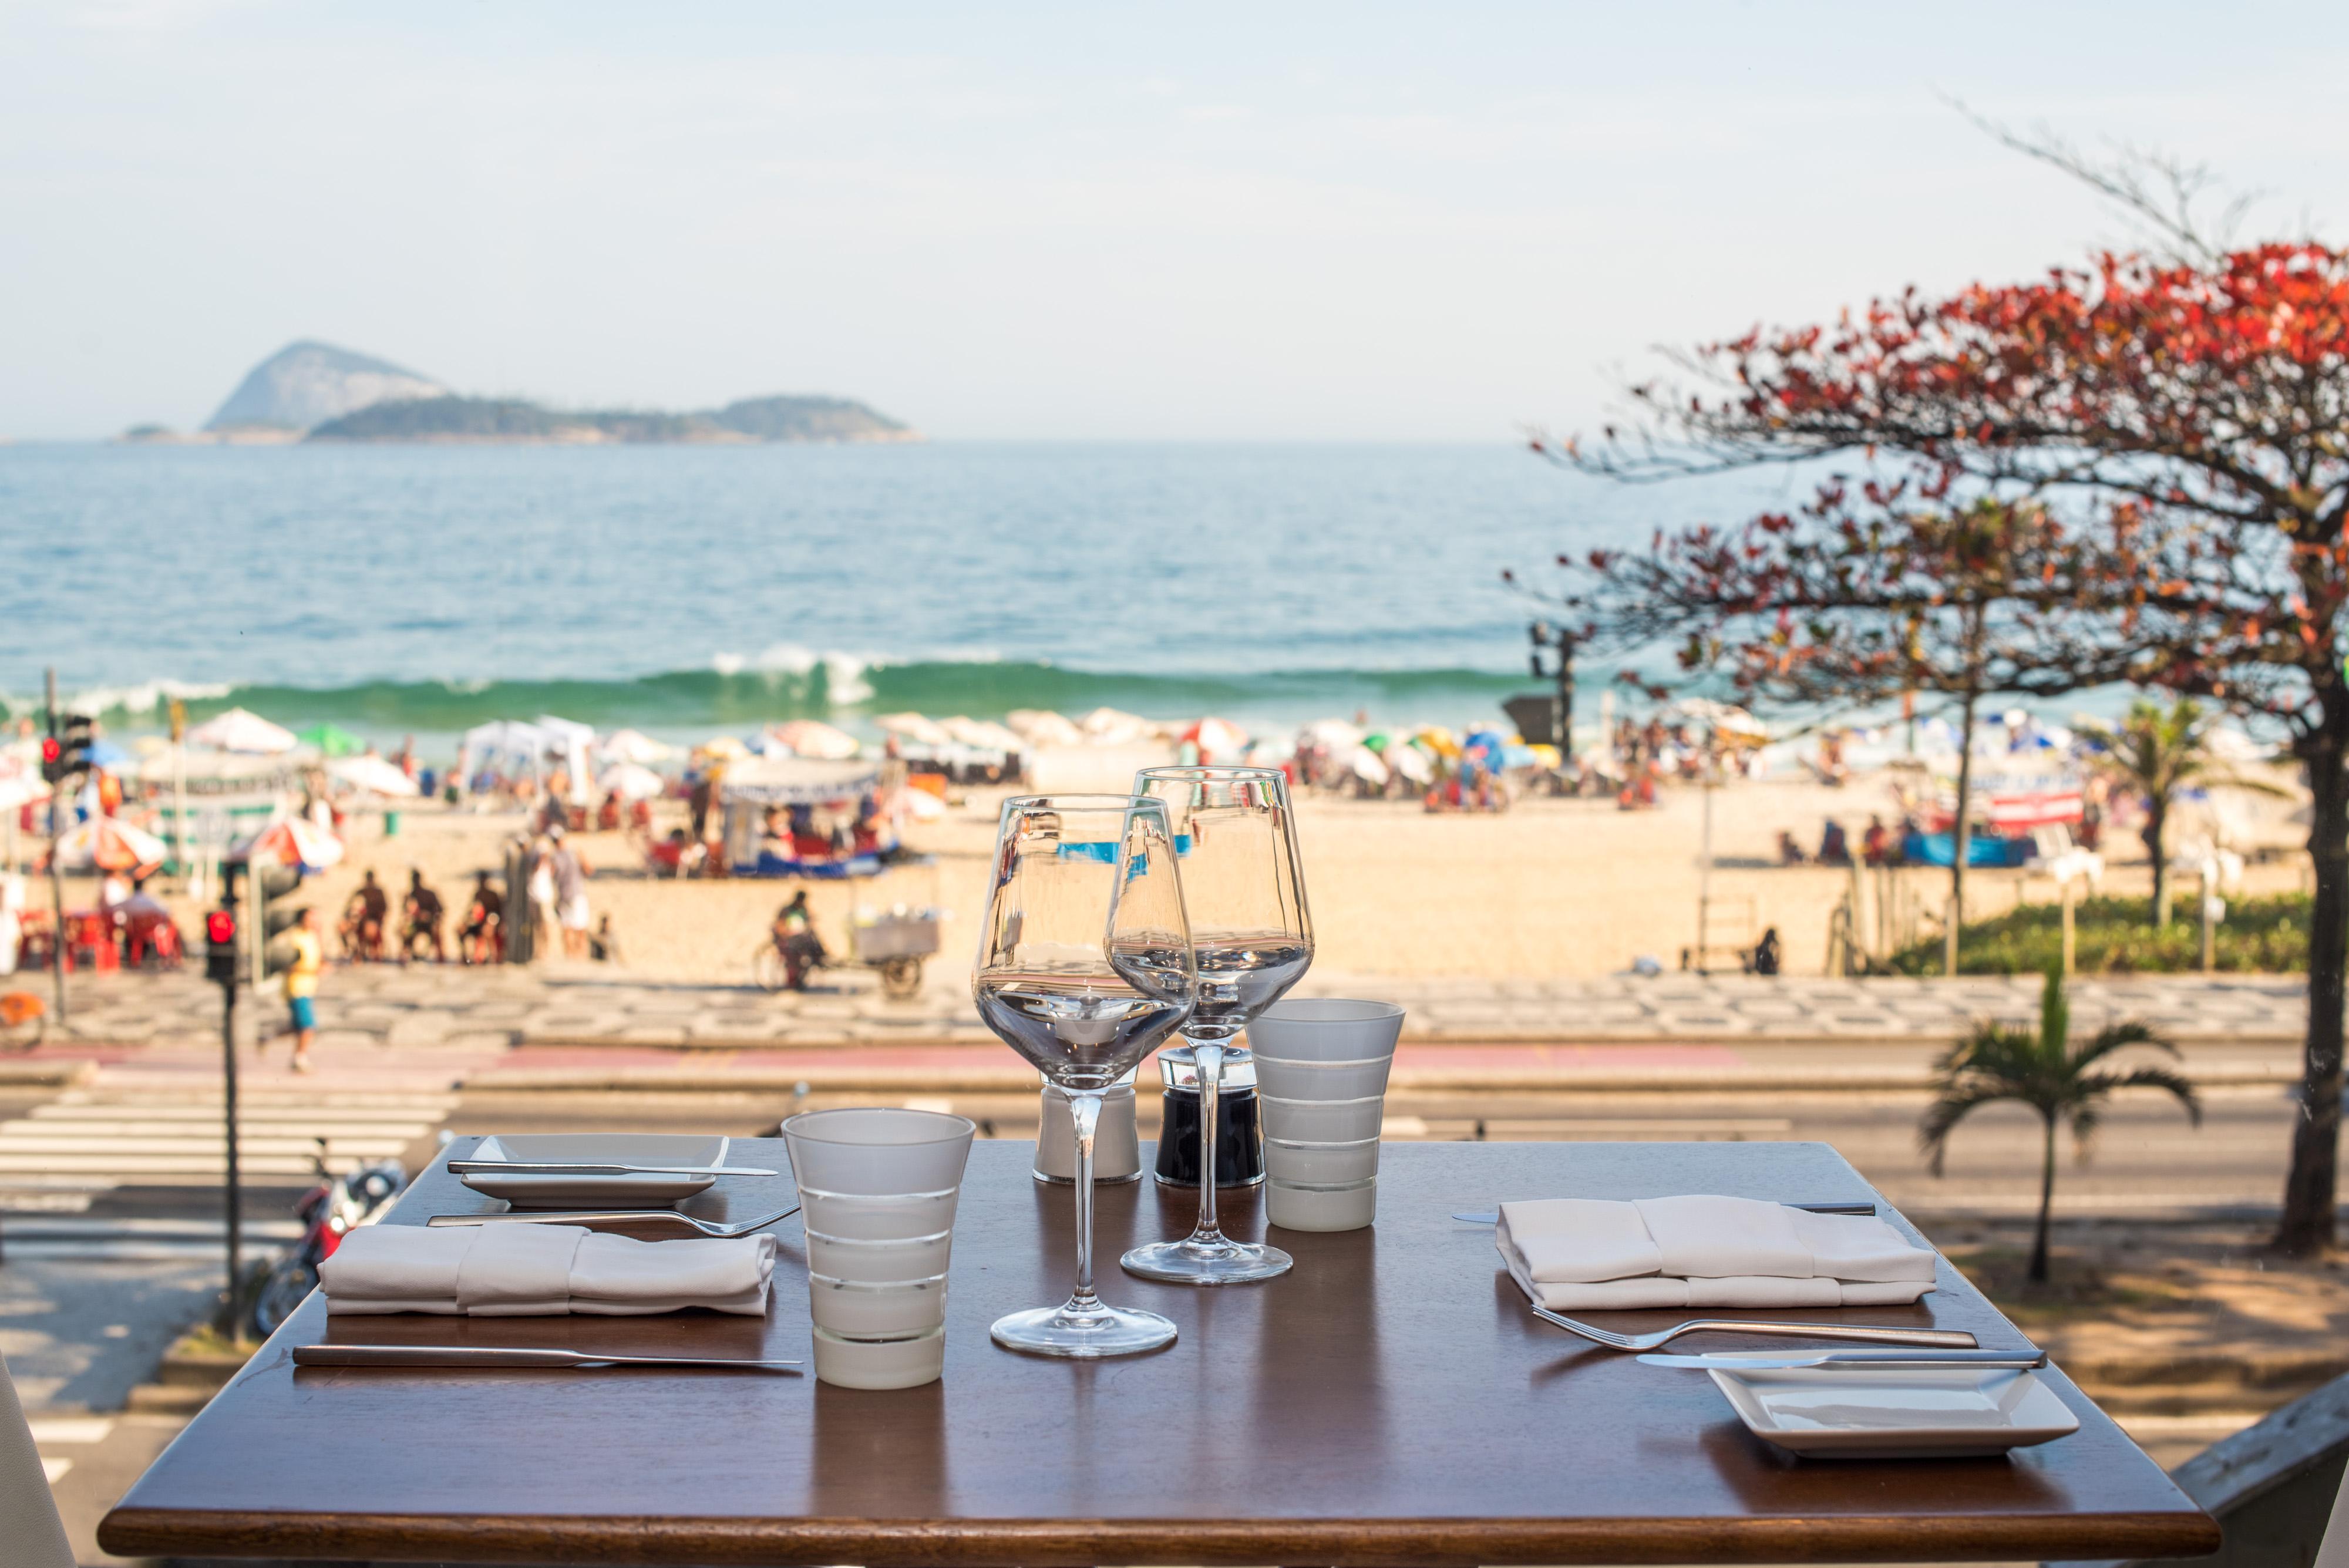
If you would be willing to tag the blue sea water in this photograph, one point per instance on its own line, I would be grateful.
(423, 588)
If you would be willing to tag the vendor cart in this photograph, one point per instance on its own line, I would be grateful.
(894, 942)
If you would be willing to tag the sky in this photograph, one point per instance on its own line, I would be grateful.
(1151, 221)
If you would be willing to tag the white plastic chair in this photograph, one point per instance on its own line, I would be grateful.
(29, 1524)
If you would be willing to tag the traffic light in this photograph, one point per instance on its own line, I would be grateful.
(80, 737)
(220, 947)
(272, 917)
(53, 760)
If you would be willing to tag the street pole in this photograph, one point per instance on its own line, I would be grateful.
(1704, 867)
(179, 793)
(235, 1198)
(57, 876)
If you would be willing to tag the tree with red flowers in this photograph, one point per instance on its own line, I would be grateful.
(2189, 413)
(1862, 595)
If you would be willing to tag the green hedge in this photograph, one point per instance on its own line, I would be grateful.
(2118, 935)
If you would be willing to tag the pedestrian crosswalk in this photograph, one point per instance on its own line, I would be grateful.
(159, 1135)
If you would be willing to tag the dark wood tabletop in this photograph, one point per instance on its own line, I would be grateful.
(1390, 1401)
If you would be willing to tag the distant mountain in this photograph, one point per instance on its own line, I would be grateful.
(303, 385)
(454, 419)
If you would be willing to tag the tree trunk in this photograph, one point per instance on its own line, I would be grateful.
(1961, 836)
(2157, 816)
(2046, 1205)
(2308, 1224)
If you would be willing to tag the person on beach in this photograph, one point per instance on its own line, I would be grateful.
(372, 906)
(420, 919)
(484, 938)
(541, 888)
(302, 984)
(794, 937)
(571, 894)
(604, 942)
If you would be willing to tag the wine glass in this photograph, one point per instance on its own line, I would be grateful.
(1084, 965)
(1252, 940)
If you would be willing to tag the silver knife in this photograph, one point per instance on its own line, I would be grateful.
(1891, 1359)
(1493, 1216)
(574, 1167)
(498, 1356)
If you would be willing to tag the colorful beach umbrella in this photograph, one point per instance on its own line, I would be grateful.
(632, 781)
(291, 841)
(1218, 740)
(104, 843)
(332, 739)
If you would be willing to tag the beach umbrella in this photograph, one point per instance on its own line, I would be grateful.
(239, 730)
(725, 748)
(1218, 740)
(332, 739)
(983, 735)
(914, 727)
(1113, 727)
(1042, 727)
(290, 841)
(1410, 763)
(105, 844)
(372, 775)
(632, 746)
(1364, 764)
(632, 781)
(814, 738)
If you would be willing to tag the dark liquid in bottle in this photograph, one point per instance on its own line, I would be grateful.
(1239, 1138)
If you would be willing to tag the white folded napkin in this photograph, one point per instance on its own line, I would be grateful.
(1592, 1254)
(527, 1271)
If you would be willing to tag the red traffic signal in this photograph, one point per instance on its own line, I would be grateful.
(50, 750)
(220, 928)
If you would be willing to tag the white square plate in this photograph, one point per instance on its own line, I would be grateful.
(531, 1190)
(1905, 1413)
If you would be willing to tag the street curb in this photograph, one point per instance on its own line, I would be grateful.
(53, 1071)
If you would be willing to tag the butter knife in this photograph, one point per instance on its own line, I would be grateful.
(574, 1167)
(1493, 1216)
(499, 1356)
(1891, 1359)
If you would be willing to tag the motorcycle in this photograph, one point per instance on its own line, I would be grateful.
(330, 1211)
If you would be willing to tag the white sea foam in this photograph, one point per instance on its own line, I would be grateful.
(143, 697)
(789, 665)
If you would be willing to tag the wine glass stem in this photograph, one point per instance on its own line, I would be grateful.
(1210, 1056)
(1084, 1111)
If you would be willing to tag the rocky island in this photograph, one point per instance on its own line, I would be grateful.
(316, 392)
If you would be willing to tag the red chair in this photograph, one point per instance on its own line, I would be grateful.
(89, 938)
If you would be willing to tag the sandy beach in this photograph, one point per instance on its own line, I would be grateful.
(1552, 888)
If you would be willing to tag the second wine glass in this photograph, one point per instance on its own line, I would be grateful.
(1252, 940)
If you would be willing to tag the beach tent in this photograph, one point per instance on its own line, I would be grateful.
(754, 787)
(240, 731)
(332, 739)
(372, 775)
(798, 781)
(105, 844)
(983, 736)
(290, 841)
(632, 746)
(1041, 727)
(814, 738)
(632, 781)
(922, 731)
(575, 743)
(507, 747)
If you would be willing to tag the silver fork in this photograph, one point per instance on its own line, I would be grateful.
(618, 1217)
(1949, 1338)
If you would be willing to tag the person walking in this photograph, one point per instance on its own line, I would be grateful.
(541, 899)
(302, 984)
(571, 894)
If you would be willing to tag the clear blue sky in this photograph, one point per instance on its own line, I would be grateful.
(1346, 222)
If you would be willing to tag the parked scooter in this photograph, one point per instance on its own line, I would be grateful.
(329, 1211)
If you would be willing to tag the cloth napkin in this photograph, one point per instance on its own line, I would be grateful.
(1581, 1254)
(529, 1271)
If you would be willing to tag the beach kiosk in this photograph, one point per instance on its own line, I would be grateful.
(806, 816)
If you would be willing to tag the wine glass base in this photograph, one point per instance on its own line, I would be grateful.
(1083, 1336)
(1190, 1262)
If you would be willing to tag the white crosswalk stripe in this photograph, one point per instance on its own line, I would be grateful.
(93, 1140)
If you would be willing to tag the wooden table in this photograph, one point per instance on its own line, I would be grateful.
(1390, 1401)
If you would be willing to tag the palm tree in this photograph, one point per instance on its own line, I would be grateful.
(2158, 752)
(2044, 1072)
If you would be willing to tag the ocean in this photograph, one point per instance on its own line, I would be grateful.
(686, 591)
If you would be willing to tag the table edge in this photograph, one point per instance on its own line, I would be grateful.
(1438, 1542)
